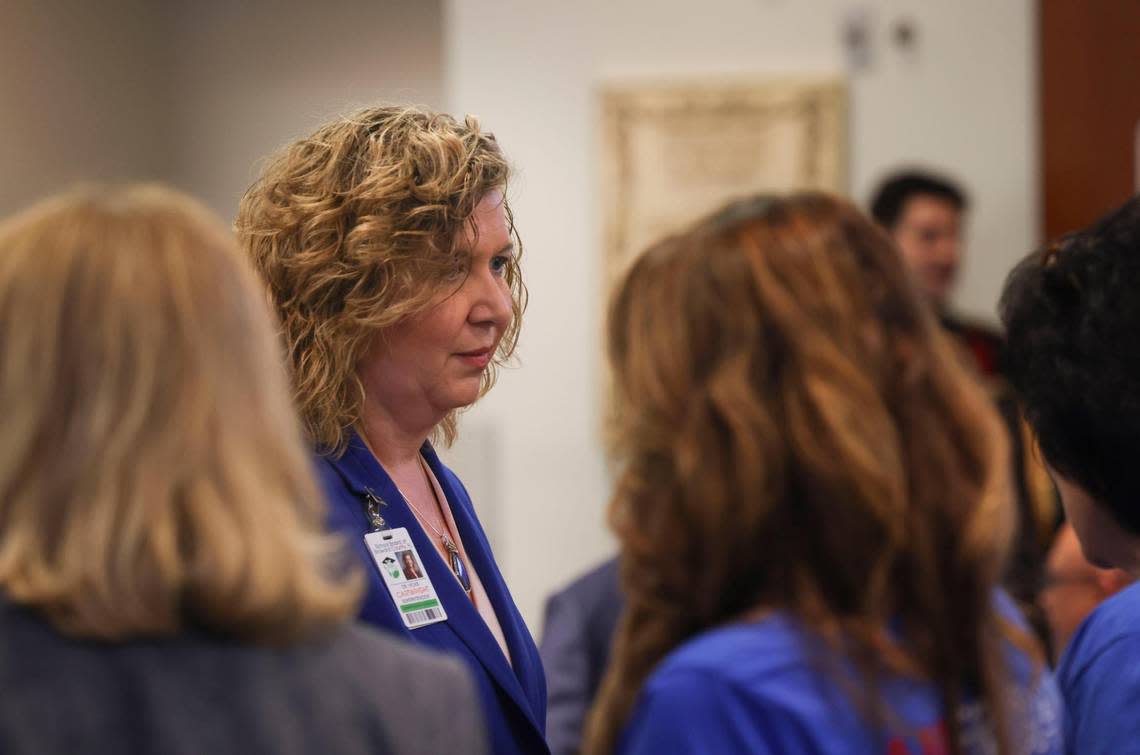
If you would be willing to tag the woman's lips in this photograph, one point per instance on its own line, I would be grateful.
(478, 359)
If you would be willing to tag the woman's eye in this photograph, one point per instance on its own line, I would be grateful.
(499, 264)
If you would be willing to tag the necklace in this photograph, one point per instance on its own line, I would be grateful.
(453, 557)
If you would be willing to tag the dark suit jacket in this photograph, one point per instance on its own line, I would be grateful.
(577, 634)
(353, 691)
(513, 694)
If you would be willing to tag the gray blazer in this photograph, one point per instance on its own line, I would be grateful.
(355, 691)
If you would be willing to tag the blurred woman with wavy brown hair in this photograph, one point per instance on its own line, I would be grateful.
(166, 584)
(390, 253)
(813, 508)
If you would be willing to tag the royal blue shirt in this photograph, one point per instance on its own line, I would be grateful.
(513, 694)
(759, 688)
(1099, 675)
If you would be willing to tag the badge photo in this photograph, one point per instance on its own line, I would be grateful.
(402, 569)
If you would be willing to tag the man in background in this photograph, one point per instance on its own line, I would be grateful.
(925, 214)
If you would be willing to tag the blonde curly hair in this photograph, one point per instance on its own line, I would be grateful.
(354, 229)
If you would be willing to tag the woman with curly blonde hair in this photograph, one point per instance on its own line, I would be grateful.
(166, 583)
(813, 508)
(389, 251)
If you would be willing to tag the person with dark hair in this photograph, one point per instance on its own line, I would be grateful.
(1072, 314)
(812, 507)
(924, 213)
(896, 192)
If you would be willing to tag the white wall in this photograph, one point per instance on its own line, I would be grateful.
(964, 102)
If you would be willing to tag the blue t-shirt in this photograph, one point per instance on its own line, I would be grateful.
(760, 688)
(1099, 675)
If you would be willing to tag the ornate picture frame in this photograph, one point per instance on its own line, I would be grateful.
(672, 152)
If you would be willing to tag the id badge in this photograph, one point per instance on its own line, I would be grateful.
(403, 571)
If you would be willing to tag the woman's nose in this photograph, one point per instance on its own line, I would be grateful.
(493, 304)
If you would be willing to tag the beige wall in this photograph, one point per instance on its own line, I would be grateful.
(250, 76)
(194, 93)
(75, 103)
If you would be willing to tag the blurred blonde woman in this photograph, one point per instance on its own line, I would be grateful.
(813, 508)
(165, 584)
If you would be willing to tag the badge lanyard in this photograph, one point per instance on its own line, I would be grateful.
(401, 567)
(372, 504)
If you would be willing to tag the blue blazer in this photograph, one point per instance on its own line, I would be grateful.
(513, 694)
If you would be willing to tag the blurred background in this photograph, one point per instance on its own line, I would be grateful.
(1032, 105)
